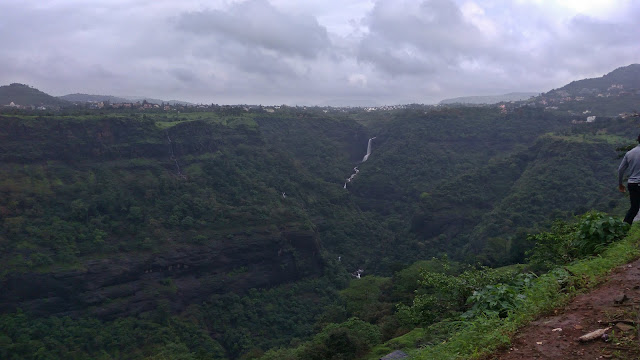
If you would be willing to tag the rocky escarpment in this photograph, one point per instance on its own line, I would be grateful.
(133, 283)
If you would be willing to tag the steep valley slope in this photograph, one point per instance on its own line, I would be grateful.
(236, 227)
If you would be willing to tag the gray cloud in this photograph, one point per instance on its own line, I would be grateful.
(258, 24)
(437, 45)
(184, 75)
(288, 51)
(418, 38)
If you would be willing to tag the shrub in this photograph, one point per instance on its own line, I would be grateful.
(551, 248)
(595, 231)
(442, 295)
(498, 299)
(567, 242)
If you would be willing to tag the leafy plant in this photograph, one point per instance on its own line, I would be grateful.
(442, 295)
(481, 336)
(567, 242)
(595, 231)
(551, 247)
(498, 299)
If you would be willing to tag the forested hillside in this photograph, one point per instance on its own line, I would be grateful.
(24, 95)
(626, 78)
(613, 94)
(226, 232)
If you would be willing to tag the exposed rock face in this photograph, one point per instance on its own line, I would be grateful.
(130, 284)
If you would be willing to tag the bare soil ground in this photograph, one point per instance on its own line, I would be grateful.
(615, 304)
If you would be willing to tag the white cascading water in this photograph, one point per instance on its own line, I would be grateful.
(355, 169)
(368, 150)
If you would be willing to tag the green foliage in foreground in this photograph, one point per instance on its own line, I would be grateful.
(458, 307)
(498, 299)
(486, 334)
(567, 242)
(445, 295)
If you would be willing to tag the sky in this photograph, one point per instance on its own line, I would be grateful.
(313, 52)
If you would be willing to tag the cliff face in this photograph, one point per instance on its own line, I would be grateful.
(133, 283)
(209, 231)
(43, 139)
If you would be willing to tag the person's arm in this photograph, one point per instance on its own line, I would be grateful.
(624, 164)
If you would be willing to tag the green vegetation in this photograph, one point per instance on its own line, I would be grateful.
(609, 95)
(158, 337)
(465, 314)
(484, 335)
(567, 242)
(227, 233)
(348, 340)
(444, 295)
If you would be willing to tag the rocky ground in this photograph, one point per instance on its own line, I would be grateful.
(613, 306)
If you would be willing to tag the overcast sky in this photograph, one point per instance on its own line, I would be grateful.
(306, 52)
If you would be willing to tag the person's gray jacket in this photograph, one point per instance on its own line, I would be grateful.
(631, 161)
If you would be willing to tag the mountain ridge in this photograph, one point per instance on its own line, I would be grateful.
(25, 95)
(625, 78)
(489, 99)
(82, 98)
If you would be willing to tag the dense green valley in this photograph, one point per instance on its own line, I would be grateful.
(230, 233)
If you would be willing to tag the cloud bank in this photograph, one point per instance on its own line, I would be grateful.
(313, 52)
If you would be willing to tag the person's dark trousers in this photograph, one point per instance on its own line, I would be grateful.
(634, 197)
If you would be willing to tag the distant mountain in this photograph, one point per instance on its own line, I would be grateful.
(623, 79)
(349, 103)
(613, 94)
(491, 99)
(82, 98)
(25, 95)
(118, 99)
(157, 101)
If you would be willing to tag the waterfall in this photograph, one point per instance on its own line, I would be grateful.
(355, 169)
(355, 172)
(368, 150)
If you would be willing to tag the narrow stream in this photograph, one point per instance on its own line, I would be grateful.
(180, 174)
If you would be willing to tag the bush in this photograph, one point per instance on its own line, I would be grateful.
(567, 242)
(551, 248)
(498, 299)
(595, 231)
(442, 295)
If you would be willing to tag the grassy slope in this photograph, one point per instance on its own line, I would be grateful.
(483, 336)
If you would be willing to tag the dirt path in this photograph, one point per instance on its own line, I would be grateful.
(615, 304)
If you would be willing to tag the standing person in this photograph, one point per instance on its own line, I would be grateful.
(631, 161)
